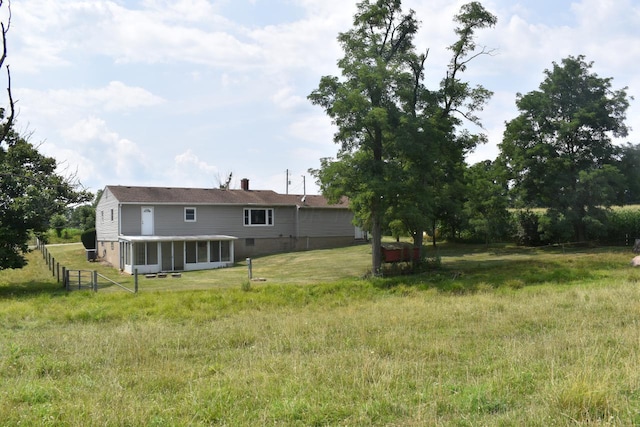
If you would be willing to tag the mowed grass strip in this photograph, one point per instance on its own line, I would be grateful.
(499, 337)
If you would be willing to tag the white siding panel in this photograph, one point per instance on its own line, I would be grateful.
(106, 227)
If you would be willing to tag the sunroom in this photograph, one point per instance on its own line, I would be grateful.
(154, 254)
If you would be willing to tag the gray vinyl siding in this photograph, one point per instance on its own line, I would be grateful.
(131, 220)
(325, 223)
(210, 219)
(106, 228)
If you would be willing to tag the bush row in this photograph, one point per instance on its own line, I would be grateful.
(618, 226)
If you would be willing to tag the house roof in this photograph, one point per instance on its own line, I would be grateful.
(215, 196)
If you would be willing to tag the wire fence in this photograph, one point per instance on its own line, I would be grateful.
(72, 279)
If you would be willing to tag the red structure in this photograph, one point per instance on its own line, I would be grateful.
(399, 252)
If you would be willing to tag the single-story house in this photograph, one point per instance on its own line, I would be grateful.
(155, 229)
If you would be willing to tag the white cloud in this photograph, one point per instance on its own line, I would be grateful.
(95, 153)
(188, 169)
(182, 10)
(75, 164)
(285, 98)
(116, 96)
(314, 128)
(150, 91)
(87, 130)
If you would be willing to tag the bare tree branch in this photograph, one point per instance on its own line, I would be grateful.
(8, 124)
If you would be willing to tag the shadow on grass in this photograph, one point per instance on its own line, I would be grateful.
(30, 289)
(476, 269)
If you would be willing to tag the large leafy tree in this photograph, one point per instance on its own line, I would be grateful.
(559, 149)
(364, 106)
(31, 190)
(398, 142)
(458, 102)
(430, 145)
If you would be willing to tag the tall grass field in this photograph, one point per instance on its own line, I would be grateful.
(498, 336)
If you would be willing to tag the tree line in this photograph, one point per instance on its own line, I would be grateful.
(402, 146)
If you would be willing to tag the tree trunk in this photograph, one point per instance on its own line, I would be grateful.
(580, 232)
(376, 244)
(433, 234)
(376, 203)
(418, 239)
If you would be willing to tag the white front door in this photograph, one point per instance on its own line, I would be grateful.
(147, 221)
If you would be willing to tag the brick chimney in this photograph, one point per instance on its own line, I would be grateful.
(244, 184)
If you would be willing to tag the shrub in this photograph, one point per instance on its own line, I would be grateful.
(58, 222)
(527, 224)
(88, 238)
(555, 228)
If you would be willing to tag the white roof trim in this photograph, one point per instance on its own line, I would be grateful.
(175, 238)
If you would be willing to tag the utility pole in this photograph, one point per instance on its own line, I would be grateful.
(288, 181)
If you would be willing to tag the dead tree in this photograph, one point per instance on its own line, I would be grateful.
(7, 124)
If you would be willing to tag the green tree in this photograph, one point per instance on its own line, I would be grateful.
(559, 149)
(487, 201)
(83, 217)
(58, 222)
(629, 166)
(430, 147)
(31, 190)
(31, 193)
(398, 141)
(363, 104)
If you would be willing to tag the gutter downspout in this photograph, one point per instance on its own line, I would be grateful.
(297, 225)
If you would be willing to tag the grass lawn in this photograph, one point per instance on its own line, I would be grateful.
(498, 336)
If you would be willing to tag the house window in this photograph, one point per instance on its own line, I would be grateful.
(220, 251)
(146, 253)
(202, 251)
(250, 242)
(190, 214)
(191, 252)
(225, 250)
(111, 214)
(258, 217)
(197, 251)
(215, 251)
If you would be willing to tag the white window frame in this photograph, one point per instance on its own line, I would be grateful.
(269, 217)
(195, 215)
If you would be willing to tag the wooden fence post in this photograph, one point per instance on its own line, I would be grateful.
(95, 281)
(135, 280)
(65, 278)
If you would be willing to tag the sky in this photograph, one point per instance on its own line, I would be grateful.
(183, 93)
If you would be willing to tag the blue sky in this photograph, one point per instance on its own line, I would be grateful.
(185, 92)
